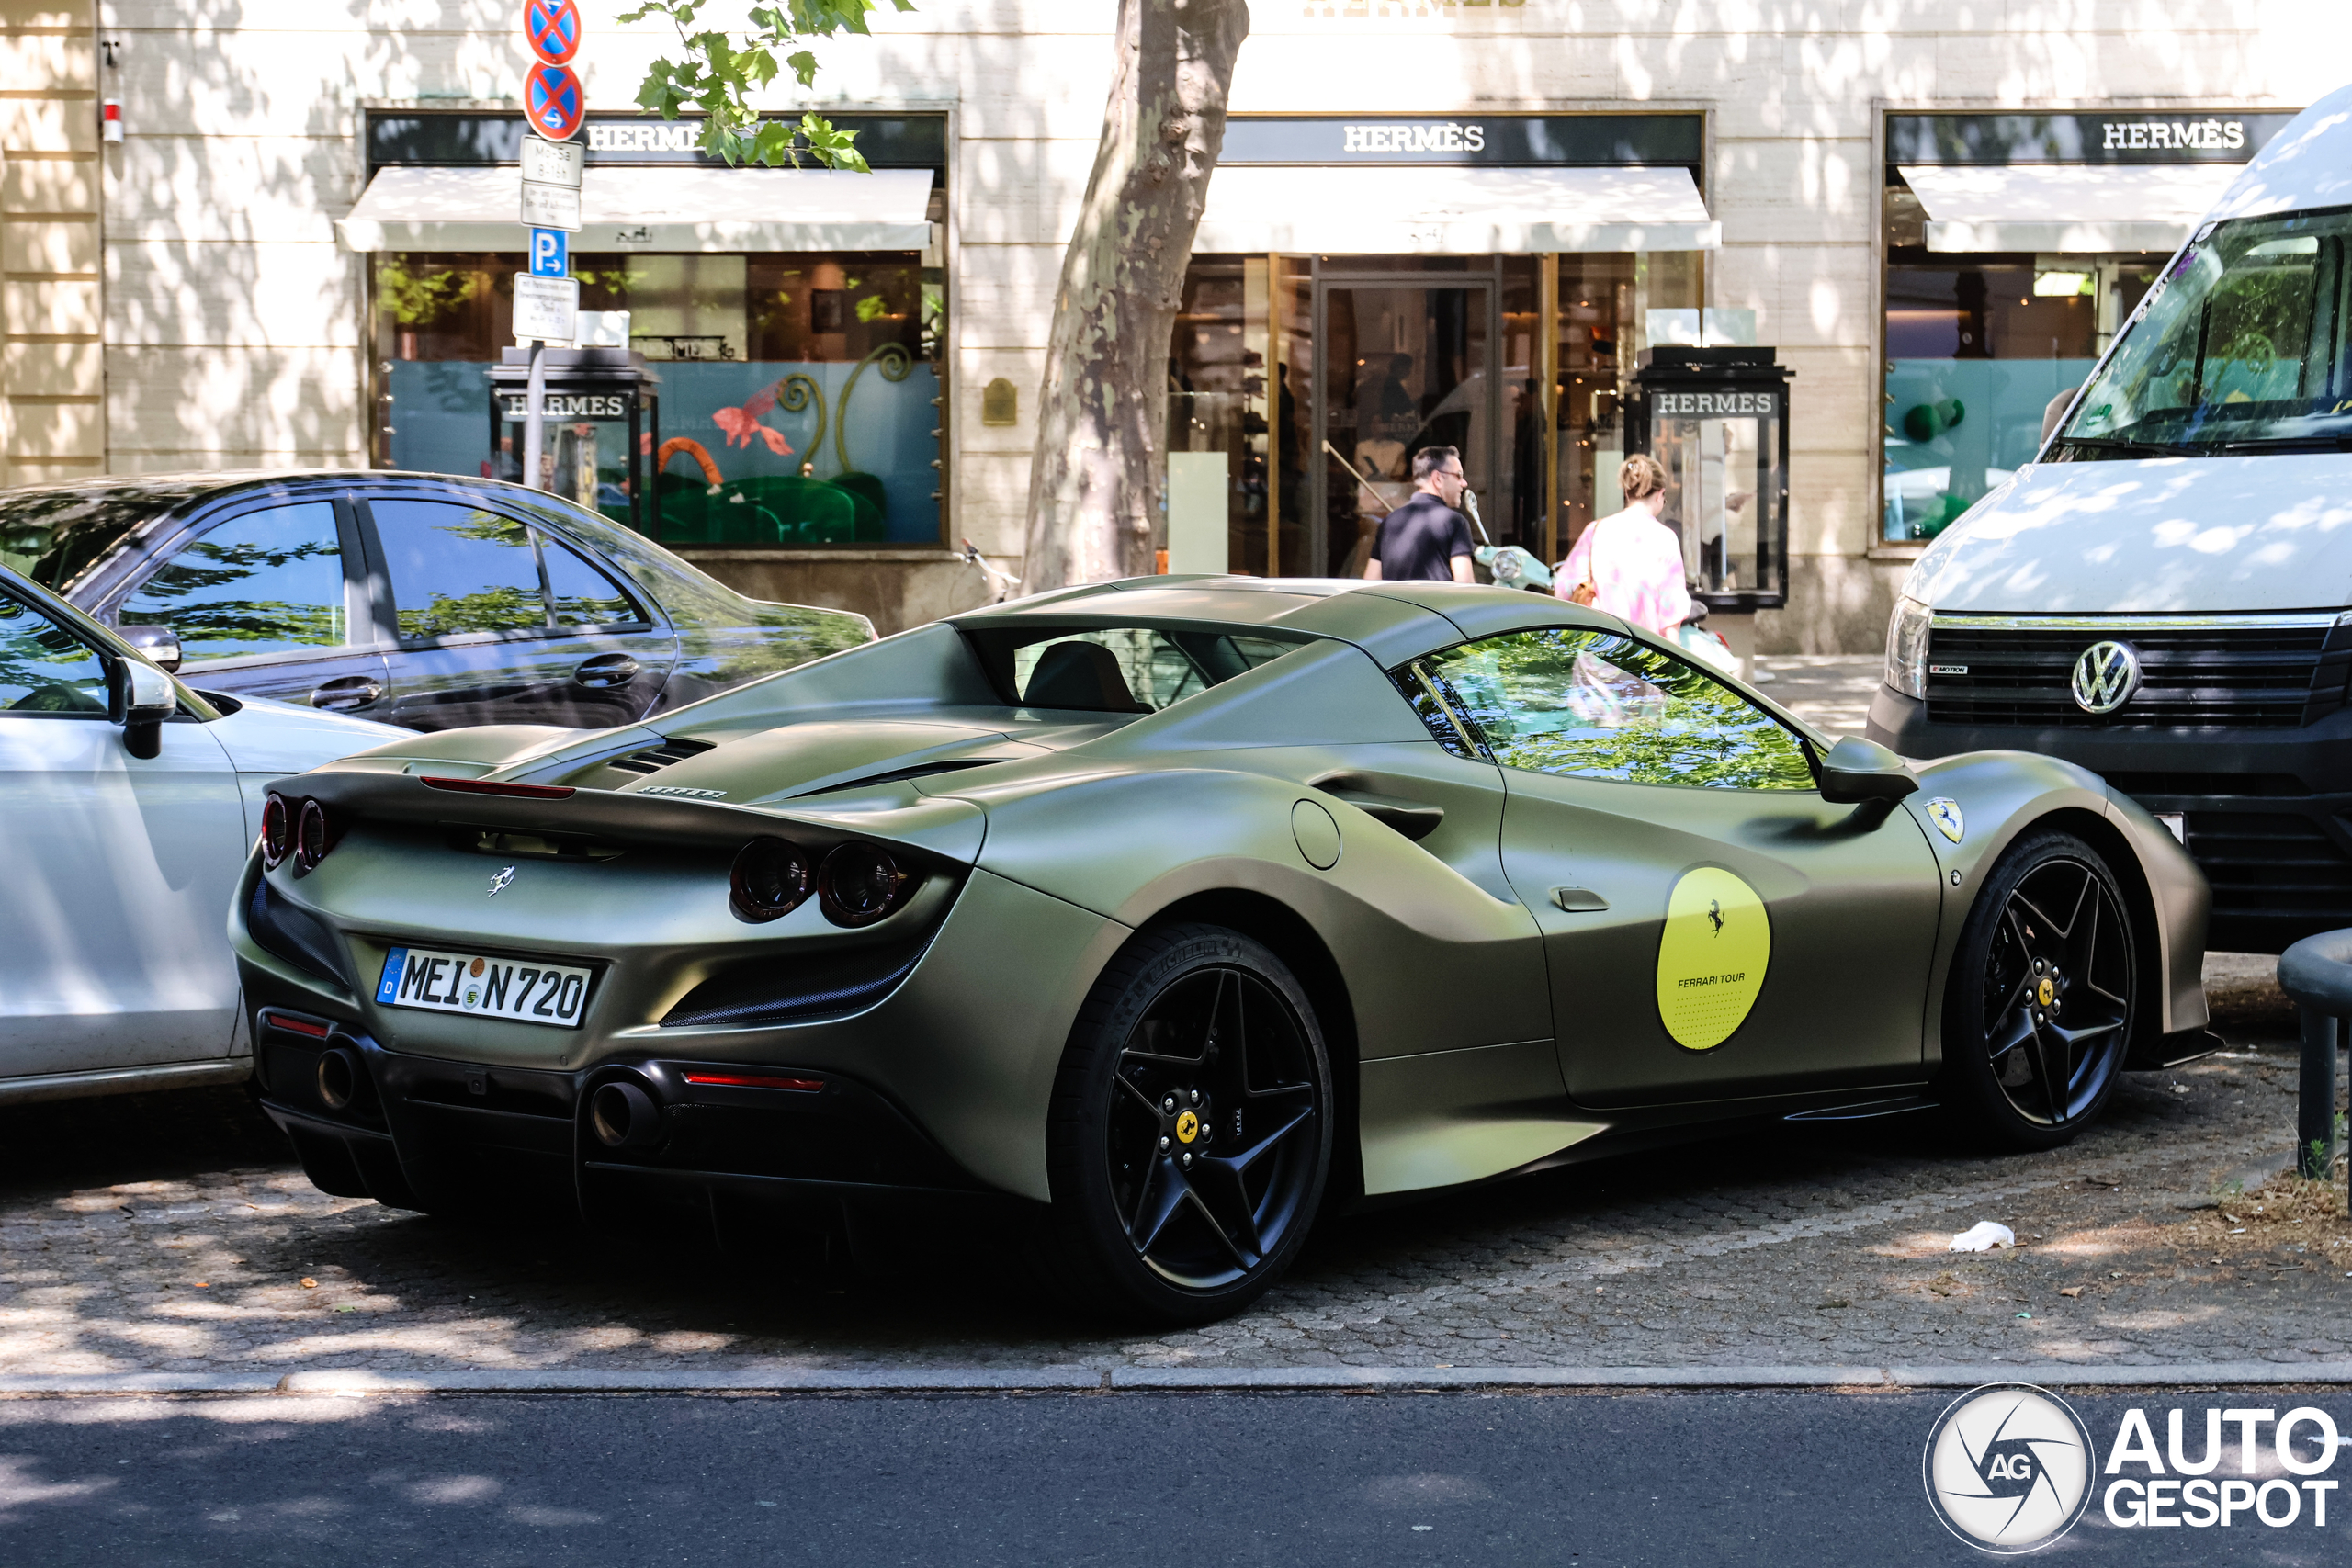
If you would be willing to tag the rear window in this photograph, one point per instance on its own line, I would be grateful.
(1118, 668)
(54, 535)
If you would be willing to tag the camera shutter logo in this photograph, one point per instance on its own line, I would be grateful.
(2009, 1468)
(2106, 676)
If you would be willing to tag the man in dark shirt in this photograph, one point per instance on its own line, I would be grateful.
(1426, 540)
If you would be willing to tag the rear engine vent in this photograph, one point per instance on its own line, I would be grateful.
(757, 996)
(653, 758)
(292, 934)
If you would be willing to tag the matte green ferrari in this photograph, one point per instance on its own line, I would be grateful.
(1150, 921)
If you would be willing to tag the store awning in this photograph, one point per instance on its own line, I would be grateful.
(692, 209)
(1451, 211)
(2064, 207)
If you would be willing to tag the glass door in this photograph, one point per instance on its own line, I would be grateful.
(1402, 362)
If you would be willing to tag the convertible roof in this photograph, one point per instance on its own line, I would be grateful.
(1391, 621)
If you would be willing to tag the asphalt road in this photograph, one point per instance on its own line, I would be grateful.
(1304, 1479)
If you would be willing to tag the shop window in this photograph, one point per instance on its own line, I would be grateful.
(1977, 347)
(801, 394)
(1610, 309)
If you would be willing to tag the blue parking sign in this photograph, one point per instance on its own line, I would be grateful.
(550, 254)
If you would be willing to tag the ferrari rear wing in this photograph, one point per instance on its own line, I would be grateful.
(950, 829)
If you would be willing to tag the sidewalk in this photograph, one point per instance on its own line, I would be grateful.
(188, 1251)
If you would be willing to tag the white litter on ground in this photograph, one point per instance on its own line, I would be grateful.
(1984, 1236)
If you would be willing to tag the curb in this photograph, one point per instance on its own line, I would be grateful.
(359, 1383)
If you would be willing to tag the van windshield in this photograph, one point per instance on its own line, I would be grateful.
(2241, 345)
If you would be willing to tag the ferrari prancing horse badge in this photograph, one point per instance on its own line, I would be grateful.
(1944, 812)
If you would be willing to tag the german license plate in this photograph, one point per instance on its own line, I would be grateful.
(526, 990)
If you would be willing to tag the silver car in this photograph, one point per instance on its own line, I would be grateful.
(128, 803)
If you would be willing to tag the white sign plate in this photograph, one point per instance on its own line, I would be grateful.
(553, 162)
(545, 308)
(551, 206)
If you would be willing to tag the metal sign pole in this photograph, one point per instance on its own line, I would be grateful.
(534, 408)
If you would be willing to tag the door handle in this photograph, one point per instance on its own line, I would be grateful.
(1578, 900)
(346, 693)
(605, 671)
(1417, 820)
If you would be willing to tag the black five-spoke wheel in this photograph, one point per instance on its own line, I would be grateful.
(1192, 1133)
(2041, 993)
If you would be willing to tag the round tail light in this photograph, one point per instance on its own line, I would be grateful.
(276, 831)
(859, 883)
(311, 837)
(771, 879)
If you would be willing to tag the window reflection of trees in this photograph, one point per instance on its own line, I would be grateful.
(195, 594)
(1594, 705)
(45, 669)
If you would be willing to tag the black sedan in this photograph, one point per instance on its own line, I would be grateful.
(415, 599)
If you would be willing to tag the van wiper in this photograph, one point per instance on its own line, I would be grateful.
(2341, 443)
(2129, 449)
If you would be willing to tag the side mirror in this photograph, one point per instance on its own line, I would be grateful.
(160, 644)
(143, 699)
(1857, 770)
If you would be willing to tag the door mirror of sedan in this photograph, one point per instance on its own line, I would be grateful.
(142, 699)
(1857, 770)
(160, 644)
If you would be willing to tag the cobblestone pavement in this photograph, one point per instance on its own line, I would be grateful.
(172, 1233)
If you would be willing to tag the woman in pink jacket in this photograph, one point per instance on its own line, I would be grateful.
(1629, 564)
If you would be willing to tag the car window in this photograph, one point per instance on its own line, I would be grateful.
(259, 584)
(55, 536)
(1592, 704)
(1126, 669)
(45, 669)
(580, 594)
(458, 569)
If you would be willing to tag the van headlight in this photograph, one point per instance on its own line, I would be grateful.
(1906, 648)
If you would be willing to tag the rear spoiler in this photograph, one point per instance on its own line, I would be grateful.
(950, 829)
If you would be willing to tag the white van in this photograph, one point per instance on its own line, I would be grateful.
(2160, 596)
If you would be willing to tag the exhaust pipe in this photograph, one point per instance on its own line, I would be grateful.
(623, 1116)
(339, 1078)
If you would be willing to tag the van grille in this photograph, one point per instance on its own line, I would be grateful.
(2267, 672)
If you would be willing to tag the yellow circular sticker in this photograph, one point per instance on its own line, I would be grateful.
(1711, 957)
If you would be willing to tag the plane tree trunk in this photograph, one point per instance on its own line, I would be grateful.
(1094, 487)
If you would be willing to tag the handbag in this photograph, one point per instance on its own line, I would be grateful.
(1585, 592)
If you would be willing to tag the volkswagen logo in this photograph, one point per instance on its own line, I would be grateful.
(2106, 676)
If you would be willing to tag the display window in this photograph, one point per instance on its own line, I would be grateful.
(799, 394)
(2016, 245)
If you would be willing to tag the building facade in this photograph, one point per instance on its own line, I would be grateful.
(1436, 221)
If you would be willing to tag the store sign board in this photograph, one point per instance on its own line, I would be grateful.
(1500, 140)
(1716, 405)
(2119, 136)
(570, 405)
(463, 139)
(545, 308)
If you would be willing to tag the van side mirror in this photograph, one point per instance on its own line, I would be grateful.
(141, 698)
(160, 644)
(1855, 771)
